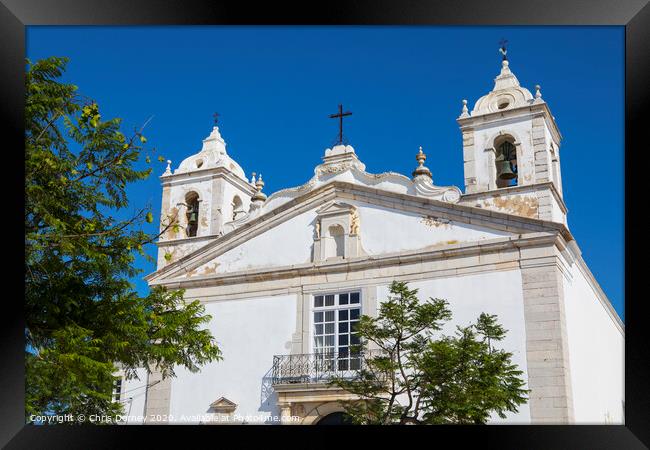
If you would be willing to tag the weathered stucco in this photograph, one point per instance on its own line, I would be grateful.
(520, 205)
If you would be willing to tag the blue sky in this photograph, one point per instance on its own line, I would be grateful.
(274, 88)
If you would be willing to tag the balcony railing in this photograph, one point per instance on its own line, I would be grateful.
(317, 367)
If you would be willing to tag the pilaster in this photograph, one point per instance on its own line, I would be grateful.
(549, 377)
(540, 150)
(158, 398)
(216, 220)
(469, 163)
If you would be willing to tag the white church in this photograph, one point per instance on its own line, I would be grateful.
(285, 276)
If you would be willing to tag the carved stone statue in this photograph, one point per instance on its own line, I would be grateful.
(354, 222)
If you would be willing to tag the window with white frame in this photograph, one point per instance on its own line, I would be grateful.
(336, 317)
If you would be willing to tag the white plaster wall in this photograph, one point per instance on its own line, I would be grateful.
(133, 398)
(382, 231)
(294, 238)
(497, 293)
(596, 355)
(249, 333)
(386, 231)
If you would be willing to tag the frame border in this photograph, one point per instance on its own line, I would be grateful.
(15, 15)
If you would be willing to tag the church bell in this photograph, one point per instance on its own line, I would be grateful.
(192, 215)
(505, 161)
(504, 169)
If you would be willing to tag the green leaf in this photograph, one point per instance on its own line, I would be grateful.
(149, 217)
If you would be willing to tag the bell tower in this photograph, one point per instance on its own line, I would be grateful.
(206, 191)
(511, 151)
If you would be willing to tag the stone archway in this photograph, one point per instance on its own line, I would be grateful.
(335, 418)
(320, 412)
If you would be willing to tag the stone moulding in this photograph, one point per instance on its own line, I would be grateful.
(310, 402)
(223, 405)
(475, 122)
(204, 175)
(327, 172)
(365, 262)
(330, 191)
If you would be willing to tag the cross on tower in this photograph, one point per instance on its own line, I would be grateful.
(216, 118)
(502, 49)
(340, 116)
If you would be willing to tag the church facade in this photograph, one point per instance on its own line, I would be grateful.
(285, 276)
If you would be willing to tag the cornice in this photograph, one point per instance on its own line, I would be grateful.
(206, 174)
(453, 211)
(468, 123)
(364, 262)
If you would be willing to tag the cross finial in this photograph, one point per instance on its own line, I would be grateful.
(216, 118)
(340, 116)
(503, 49)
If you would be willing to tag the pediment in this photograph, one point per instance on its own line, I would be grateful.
(334, 208)
(386, 223)
(223, 405)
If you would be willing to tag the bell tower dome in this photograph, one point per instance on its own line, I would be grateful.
(511, 151)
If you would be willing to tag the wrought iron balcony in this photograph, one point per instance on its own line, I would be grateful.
(316, 367)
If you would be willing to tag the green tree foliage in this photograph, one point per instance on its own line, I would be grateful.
(412, 374)
(83, 315)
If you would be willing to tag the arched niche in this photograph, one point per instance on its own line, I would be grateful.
(337, 228)
(505, 161)
(192, 213)
(237, 207)
(336, 245)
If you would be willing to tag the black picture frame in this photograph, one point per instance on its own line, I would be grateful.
(634, 15)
